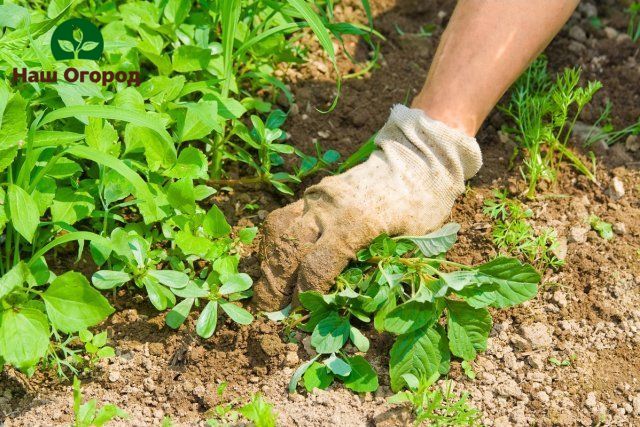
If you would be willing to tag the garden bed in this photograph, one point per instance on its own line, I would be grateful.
(566, 357)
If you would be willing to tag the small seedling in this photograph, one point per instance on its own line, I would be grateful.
(405, 286)
(96, 346)
(436, 406)
(89, 414)
(513, 234)
(604, 229)
(258, 411)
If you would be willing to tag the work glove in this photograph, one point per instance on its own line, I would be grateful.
(407, 187)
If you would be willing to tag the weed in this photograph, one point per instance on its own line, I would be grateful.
(633, 28)
(89, 414)
(543, 113)
(122, 168)
(513, 233)
(603, 129)
(437, 406)
(604, 229)
(257, 411)
(405, 286)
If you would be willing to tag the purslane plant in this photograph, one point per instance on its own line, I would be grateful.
(436, 309)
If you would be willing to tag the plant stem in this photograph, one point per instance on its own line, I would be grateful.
(233, 182)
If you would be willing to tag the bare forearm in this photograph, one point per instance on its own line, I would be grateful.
(485, 47)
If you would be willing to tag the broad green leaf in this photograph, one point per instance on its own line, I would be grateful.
(179, 313)
(236, 313)
(109, 279)
(24, 336)
(297, 375)
(317, 376)
(246, 235)
(215, 224)
(417, 353)
(170, 278)
(50, 138)
(160, 154)
(195, 121)
(72, 304)
(337, 365)
(13, 129)
(409, 316)
(191, 163)
(14, 278)
(193, 245)
(192, 290)
(71, 205)
(23, 212)
(330, 334)
(206, 324)
(159, 296)
(467, 329)
(362, 378)
(232, 283)
(181, 196)
(190, 58)
(259, 412)
(437, 242)
(358, 339)
(516, 282)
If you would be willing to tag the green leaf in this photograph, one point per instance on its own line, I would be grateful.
(337, 365)
(467, 329)
(206, 324)
(358, 339)
(236, 313)
(14, 278)
(190, 58)
(71, 205)
(362, 378)
(299, 372)
(100, 339)
(179, 313)
(156, 292)
(437, 242)
(417, 353)
(72, 304)
(191, 163)
(259, 411)
(196, 121)
(170, 278)
(237, 282)
(516, 282)
(330, 334)
(24, 336)
(181, 196)
(409, 316)
(317, 376)
(109, 279)
(23, 212)
(215, 224)
(246, 235)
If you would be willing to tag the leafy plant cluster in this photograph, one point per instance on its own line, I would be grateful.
(436, 309)
(513, 234)
(123, 173)
(258, 411)
(543, 113)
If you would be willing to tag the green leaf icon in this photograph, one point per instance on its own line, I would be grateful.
(66, 45)
(88, 46)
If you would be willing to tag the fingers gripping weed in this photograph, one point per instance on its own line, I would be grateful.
(435, 308)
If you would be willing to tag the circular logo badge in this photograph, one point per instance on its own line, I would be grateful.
(77, 39)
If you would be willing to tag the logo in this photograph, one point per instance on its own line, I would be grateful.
(77, 39)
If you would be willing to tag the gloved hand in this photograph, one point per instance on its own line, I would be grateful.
(408, 187)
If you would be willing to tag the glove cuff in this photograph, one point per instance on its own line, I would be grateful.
(431, 145)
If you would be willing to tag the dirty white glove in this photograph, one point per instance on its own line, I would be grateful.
(408, 187)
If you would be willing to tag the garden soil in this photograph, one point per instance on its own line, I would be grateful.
(569, 357)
